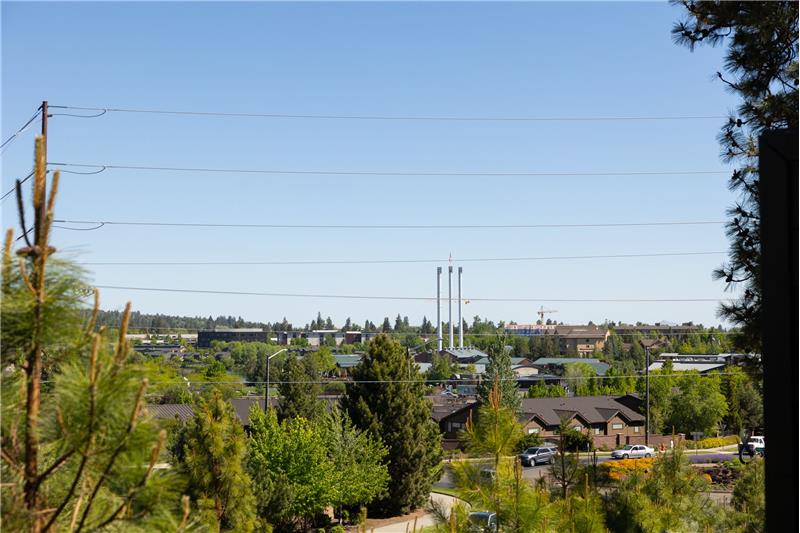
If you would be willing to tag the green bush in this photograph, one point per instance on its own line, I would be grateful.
(715, 442)
(338, 528)
(529, 441)
(575, 441)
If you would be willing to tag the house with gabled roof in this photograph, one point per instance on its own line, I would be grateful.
(609, 420)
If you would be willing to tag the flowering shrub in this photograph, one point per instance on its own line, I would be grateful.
(617, 470)
(714, 442)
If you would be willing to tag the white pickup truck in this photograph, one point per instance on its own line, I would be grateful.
(756, 445)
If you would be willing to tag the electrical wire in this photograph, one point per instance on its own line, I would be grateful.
(21, 130)
(104, 167)
(381, 261)
(467, 334)
(420, 118)
(414, 298)
(11, 190)
(427, 381)
(390, 226)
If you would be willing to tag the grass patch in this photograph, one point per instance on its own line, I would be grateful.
(446, 491)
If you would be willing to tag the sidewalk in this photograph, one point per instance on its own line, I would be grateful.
(407, 525)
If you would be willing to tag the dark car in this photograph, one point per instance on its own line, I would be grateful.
(537, 456)
(482, 522)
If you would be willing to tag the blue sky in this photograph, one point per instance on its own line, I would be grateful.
(490, 59)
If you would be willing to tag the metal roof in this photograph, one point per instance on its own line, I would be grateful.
(171, 410)
(685, 367)
(465, 353)
(599, 366)
(347, 360)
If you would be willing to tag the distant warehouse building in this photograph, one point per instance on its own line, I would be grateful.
(204, 338)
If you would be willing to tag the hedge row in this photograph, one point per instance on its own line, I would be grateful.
(714, 442)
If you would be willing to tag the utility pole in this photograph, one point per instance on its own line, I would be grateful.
(38, 253)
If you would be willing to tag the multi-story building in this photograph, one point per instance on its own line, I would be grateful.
(205, 337)
(581, 340)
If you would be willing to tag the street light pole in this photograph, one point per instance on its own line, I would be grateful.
(647, 395)
(266, 385)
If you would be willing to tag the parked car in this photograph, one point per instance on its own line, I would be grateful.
(633, 451)
(537, 456)
(756, 445)
(482, 522)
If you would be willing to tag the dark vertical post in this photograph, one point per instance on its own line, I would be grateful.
(266, 387)
(778, 190)
(647, 395)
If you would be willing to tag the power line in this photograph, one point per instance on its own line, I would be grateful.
(101, 223)
(384, 261)
(420, 118)
(104, 167)
(422, 381)
(433, 335)
(426, 381)
(12, 189)
(416, 298)
(21, 130)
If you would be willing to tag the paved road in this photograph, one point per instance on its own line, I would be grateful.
(535, 472)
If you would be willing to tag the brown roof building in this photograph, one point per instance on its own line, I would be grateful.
(581, 340)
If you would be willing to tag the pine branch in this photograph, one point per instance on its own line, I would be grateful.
(123, 441)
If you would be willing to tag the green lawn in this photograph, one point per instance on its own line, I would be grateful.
(448, 492)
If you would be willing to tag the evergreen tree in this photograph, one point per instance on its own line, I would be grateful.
(213, 459)
(671, 498)
(299, 389)
(396, 411)
(499, 370)
(398, 324)
(748, 499)
(762, 61)
(387, 326)
(85, 458)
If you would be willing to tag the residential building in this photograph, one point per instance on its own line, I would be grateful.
(658, 328)
(530, 330)
(610, 420)
(581, 341)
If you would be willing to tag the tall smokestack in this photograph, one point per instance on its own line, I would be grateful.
(439, 308)
(450, 303)
(460, 320)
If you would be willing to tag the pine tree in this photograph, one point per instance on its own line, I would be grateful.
(213, 459)
(395, 410)
(499, 369)
(299, 389)
(387, 326)
(84, 458)
(762, 59)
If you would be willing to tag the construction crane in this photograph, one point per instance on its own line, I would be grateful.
(541, 312)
